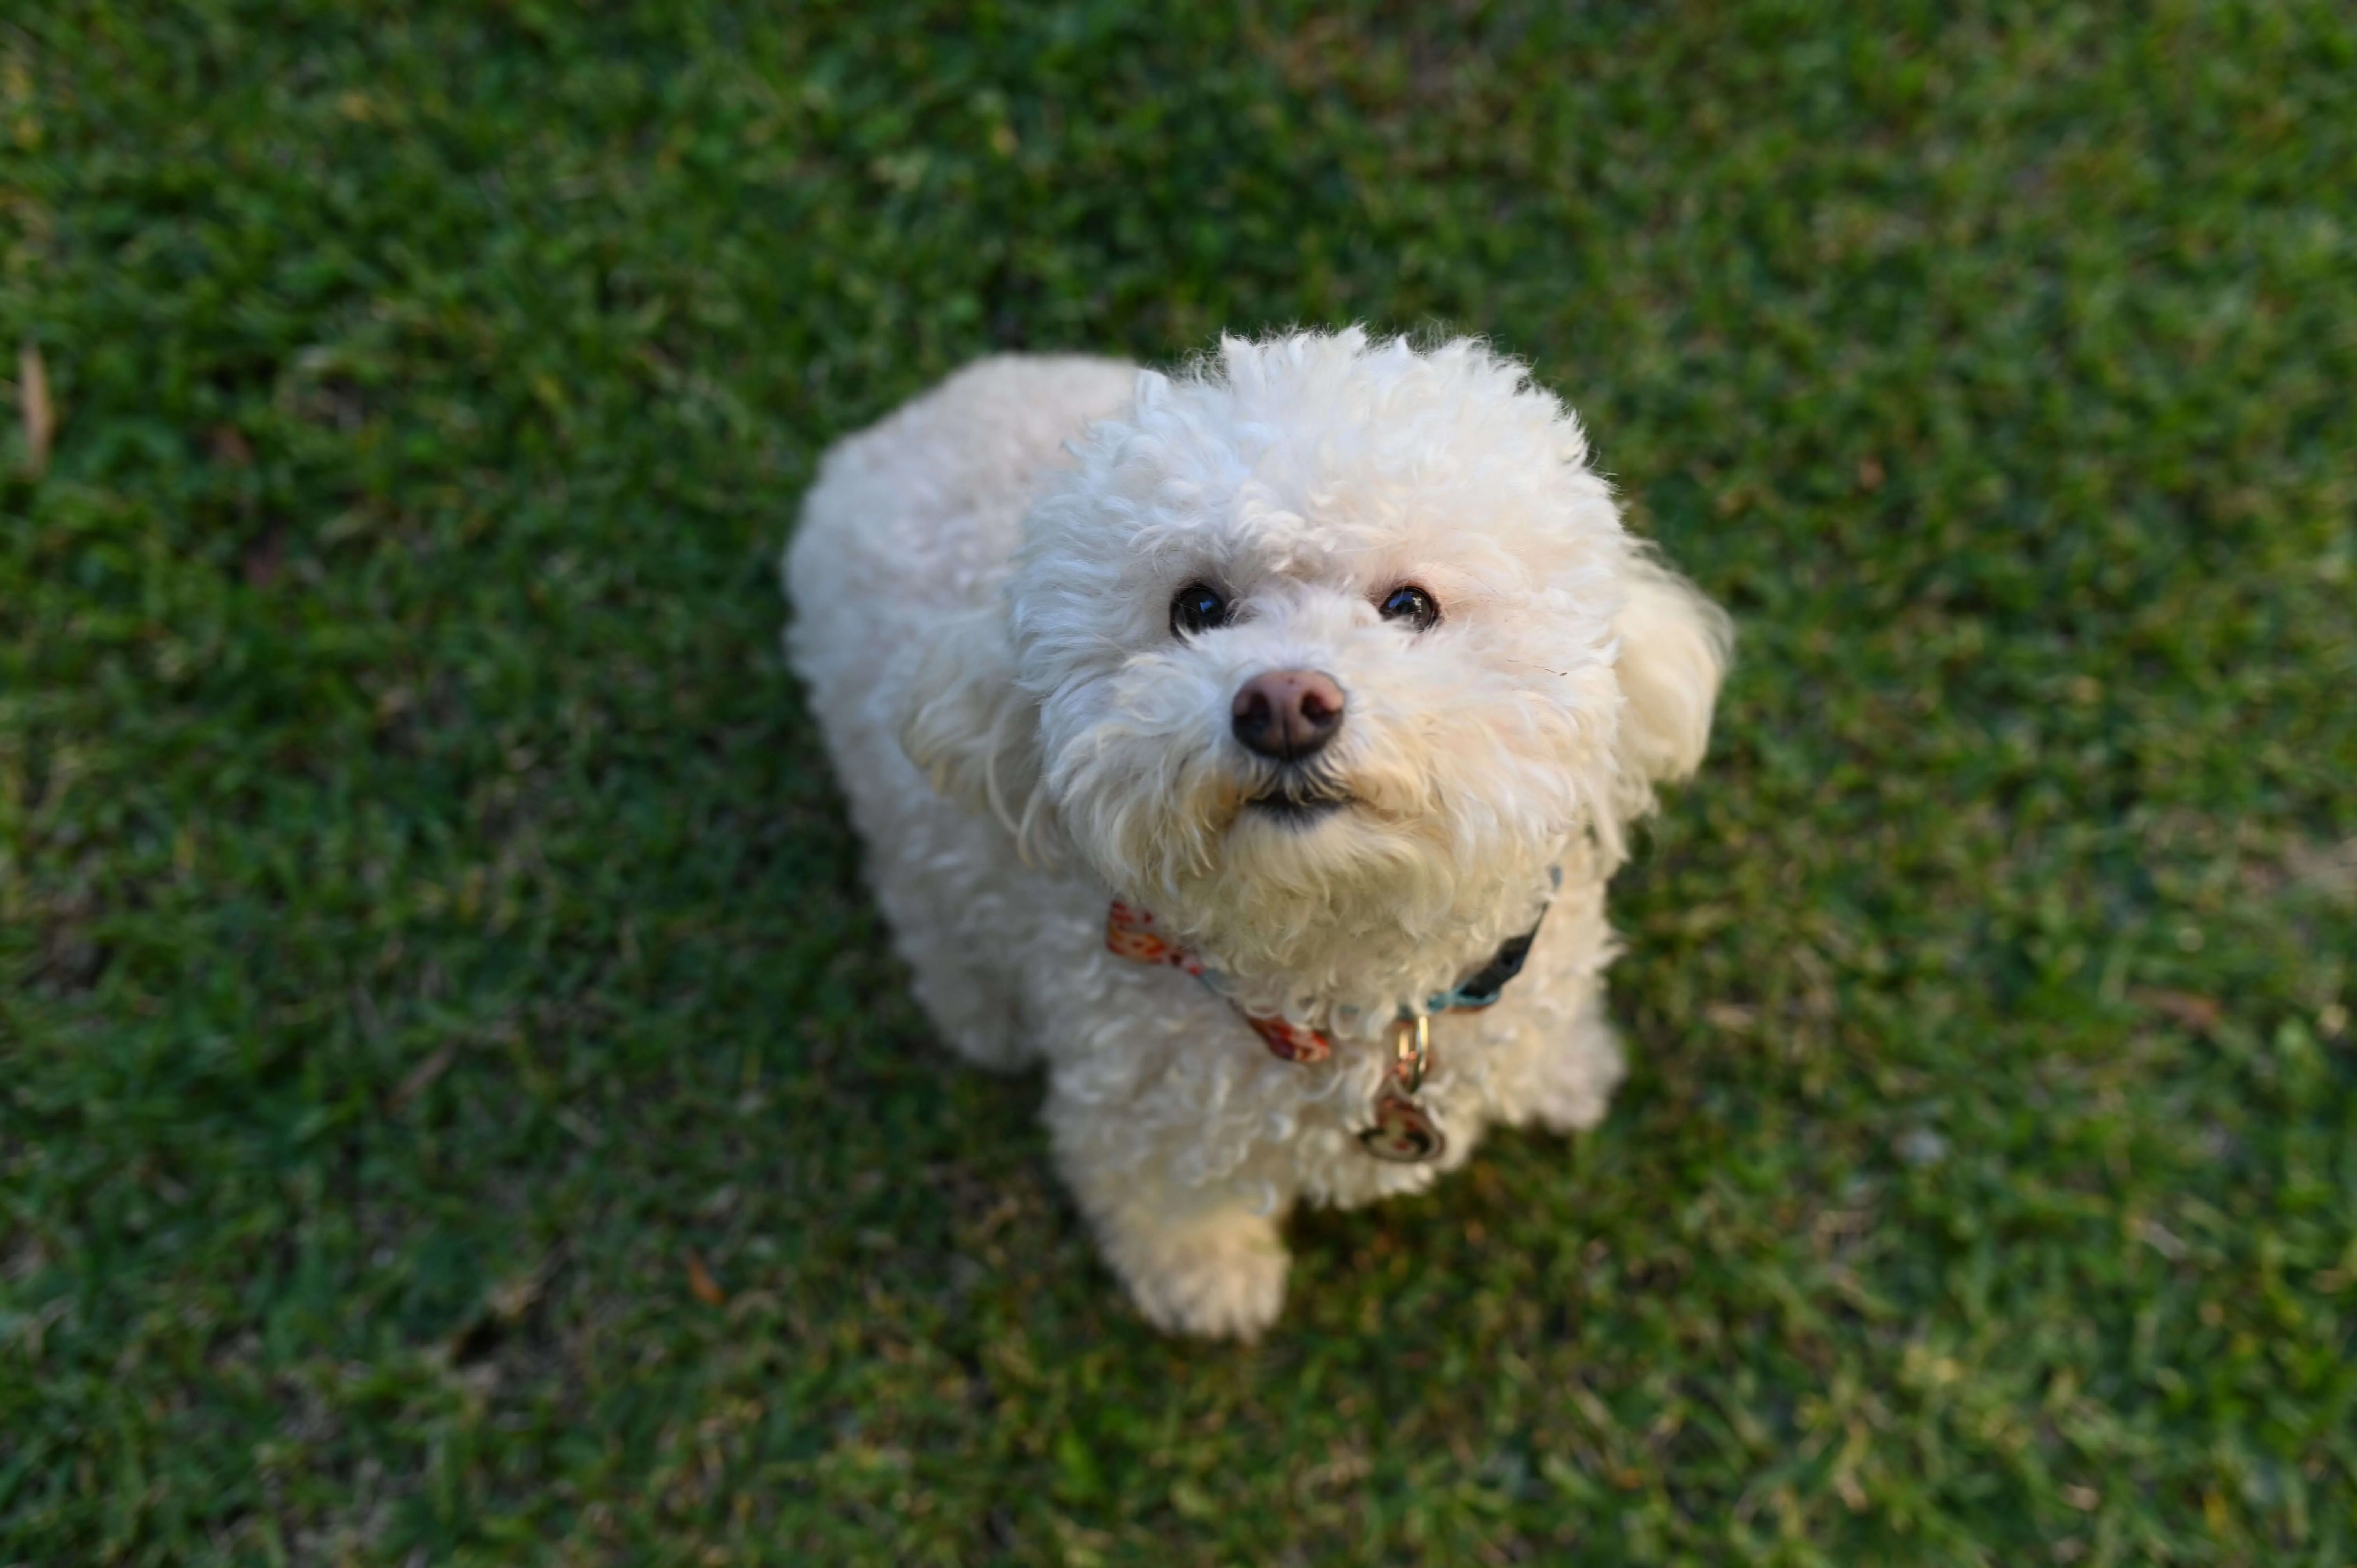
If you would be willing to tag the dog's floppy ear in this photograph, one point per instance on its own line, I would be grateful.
(972, 731)
(1674, 647)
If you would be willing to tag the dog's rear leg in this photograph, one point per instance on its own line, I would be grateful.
(975, 1013)
(1579, 1070)
(972, 1008)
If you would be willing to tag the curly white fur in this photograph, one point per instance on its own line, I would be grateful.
(982, 585)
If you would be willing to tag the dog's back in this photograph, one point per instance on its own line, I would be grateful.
(915, 517)
(911, 521)
(921, 510)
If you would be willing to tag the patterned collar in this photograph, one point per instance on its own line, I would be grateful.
(1130, 933)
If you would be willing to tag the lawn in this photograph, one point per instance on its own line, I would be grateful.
(455, 1101)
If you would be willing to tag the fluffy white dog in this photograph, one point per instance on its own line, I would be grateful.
(1251, 747)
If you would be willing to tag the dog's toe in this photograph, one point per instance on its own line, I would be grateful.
(1220, 1277)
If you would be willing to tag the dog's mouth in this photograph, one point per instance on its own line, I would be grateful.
(1296, 802)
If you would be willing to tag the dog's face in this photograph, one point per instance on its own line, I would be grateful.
(1317, 653)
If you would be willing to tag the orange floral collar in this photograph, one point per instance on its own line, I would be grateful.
(1129, 933)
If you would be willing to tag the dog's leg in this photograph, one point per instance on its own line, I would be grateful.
(972, 1008)
(1210, 1268)
(1577, 1072)
(1197, 1260)
(976, 1016)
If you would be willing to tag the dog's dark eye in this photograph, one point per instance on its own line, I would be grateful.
(1195, 608)
(1413, 605)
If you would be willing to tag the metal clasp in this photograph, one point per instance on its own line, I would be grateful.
(1404, 1132)
(1411, 1052)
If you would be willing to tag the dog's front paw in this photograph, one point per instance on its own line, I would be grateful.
(1220, 1275)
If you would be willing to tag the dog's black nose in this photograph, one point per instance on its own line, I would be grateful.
(1288, 714)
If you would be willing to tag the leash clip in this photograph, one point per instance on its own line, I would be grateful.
(1411, 1052)
(1404, 1132)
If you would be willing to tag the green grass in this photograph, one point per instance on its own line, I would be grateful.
(426, 921)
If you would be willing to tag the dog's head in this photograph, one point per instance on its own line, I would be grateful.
(1326, 651)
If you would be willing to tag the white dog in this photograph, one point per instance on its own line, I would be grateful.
(1221, 741)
